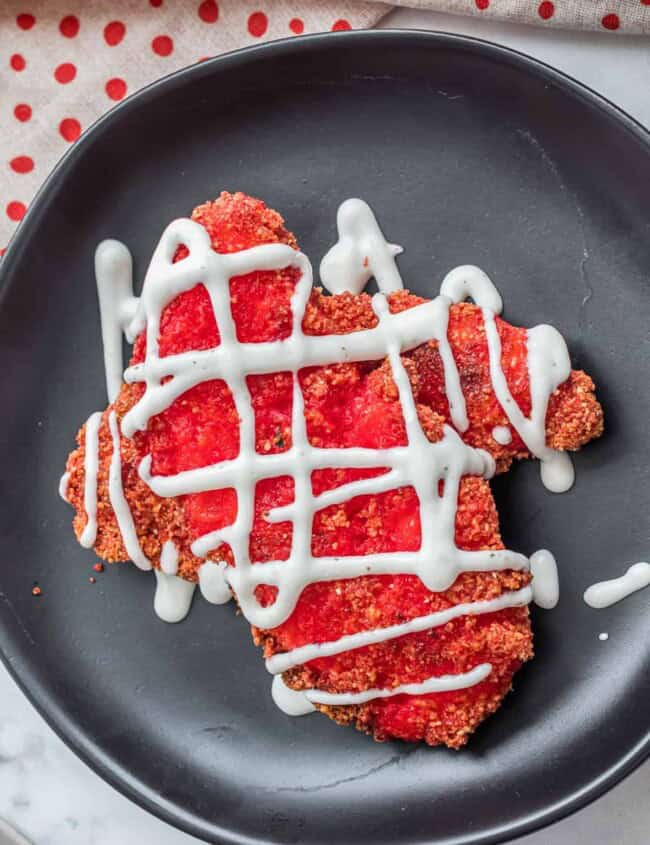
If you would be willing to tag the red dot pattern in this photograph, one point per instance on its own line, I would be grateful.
(209, 11)
(22, 112)
(65, 73)
(150, 37)
(69, 129)
(22, 164)
(69, 26)
(546, 10)
(25, 20)
(114, 32)
(611, 21)
(162, 45)
(257, 24)
(116, 88)
(15, 210)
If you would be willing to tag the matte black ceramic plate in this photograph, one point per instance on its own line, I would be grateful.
(470, 153)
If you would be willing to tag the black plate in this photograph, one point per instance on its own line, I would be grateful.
(470, 153)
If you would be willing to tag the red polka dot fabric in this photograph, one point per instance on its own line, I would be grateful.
(623, 17)
(63, 64)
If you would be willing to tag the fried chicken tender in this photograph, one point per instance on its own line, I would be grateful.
(345, 405)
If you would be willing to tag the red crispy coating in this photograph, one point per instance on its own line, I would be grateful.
(346, 405)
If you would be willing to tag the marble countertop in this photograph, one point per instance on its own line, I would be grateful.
(54, 799)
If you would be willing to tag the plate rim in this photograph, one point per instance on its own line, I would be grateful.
(54, 714)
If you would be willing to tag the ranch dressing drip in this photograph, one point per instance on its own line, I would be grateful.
(213, 584)
(173, 597)
(606, 593)
(292, 702)
(63, 486)
(546, 585)
(117, 305)
(91, 467)
(360, 252)
(169, 558)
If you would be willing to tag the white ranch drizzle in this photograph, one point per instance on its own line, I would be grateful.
(169, 558)
(606, 593)
(420, 463)
(416, 326)
(290, 701)
(546, 584)
(502, 435)
(437, 683)
(173, 597)
(63, 486)
(213, 584)
(118, 501)
(117, 306)
(279, 663)
(549, 366)
(91, 467)
(360, 253)
(470, 282)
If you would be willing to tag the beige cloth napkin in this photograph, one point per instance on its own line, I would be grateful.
(65, 62)
(624, 17)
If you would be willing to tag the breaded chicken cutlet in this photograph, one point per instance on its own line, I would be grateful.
(346, 405)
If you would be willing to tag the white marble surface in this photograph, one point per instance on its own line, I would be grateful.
(47, 793)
